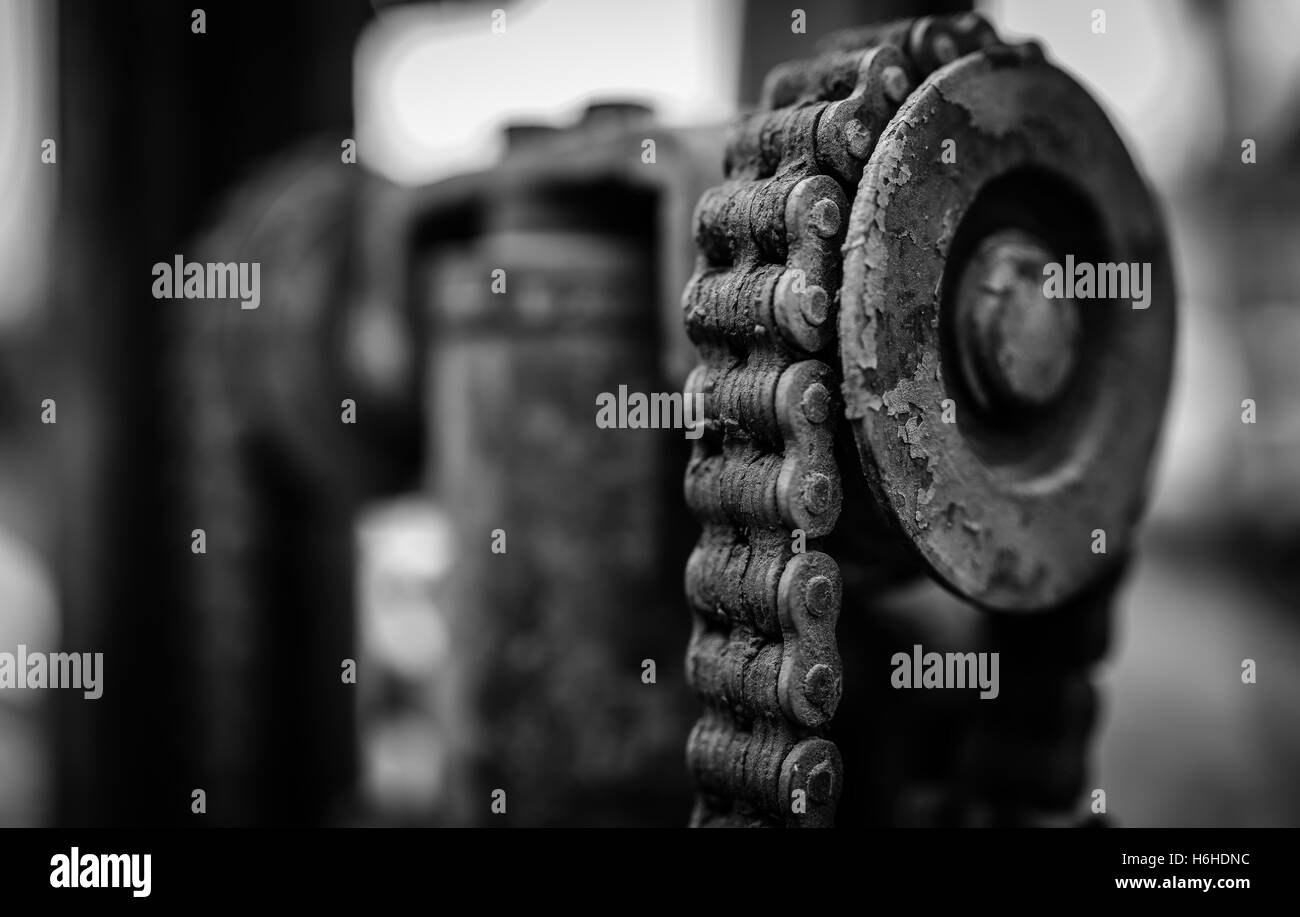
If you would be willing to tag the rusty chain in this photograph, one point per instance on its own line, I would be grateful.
(761, 310)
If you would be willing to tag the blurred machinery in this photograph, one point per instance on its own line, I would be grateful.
(553, 278)
(889, 399)
(534, 287)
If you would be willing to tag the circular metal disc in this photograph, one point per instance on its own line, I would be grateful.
(1005, 508)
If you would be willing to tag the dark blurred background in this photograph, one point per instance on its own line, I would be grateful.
(329, 542)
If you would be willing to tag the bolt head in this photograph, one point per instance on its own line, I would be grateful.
(1018, 347)
(821, 783)
(824, 217)
(820, 686)
(858, 138)
(819, 595)
(817, 493)
(814, 305)
(816, 402)
(945, 48)
(896, 83)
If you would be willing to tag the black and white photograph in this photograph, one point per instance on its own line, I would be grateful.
(424, 415)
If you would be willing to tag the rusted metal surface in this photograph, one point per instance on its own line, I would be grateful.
(546, 699)
(760, 306)
(550, 635)
(1056, 411)
(1002, 504)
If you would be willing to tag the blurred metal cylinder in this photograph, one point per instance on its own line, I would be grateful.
(273, 475)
